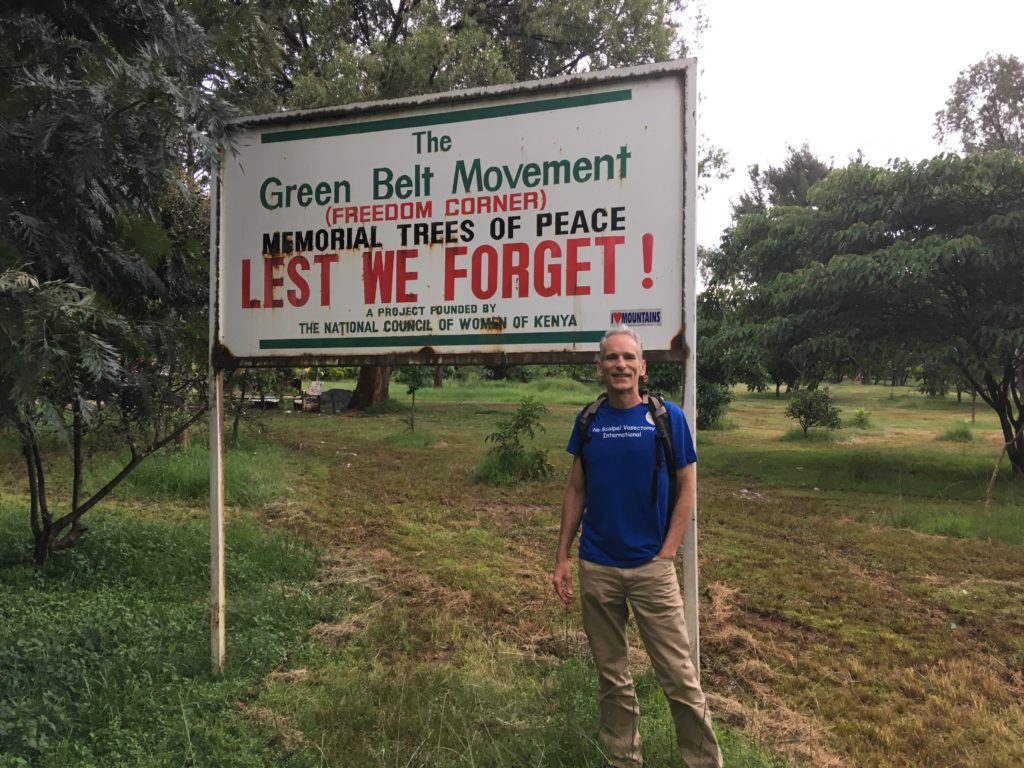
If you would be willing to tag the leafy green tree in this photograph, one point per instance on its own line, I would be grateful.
(665, 379)
(921, 257)
(415, 378)
(813, 408)
(734, 347)
(102, 105)
(985, 110)
(307, 53)
(510, 460)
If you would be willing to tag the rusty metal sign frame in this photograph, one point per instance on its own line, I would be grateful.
(678, 351)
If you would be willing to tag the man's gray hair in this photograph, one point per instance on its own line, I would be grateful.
(622, 328)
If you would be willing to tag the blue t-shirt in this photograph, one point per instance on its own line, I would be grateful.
(622, 525)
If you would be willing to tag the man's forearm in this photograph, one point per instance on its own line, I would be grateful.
(573, 504)
(572, 514)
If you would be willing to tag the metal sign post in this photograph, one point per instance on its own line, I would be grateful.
(217, 594)
(690, 577)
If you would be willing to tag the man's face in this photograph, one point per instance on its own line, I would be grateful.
(620, 367)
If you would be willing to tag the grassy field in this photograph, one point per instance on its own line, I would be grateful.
(860, 604)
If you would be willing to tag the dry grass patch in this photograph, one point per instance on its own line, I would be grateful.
(285, 733)
(288, 676)
(754, 704)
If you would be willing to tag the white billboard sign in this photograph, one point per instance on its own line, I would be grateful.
(513, 220)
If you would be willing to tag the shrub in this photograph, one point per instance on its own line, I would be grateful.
(666, 378)
(861, 418)
(509, 460)
(506, 371)
(813, 408)
(958, 433)
(712, 400)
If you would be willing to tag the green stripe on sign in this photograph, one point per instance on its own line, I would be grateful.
(467, 340)
(444, 118)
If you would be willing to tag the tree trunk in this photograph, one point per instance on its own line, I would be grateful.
(438, 381)
(371, 387)
(40, 519)
(1004, 397)
(1016, 453)
(51, 535)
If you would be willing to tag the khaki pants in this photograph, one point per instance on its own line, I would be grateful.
(652, 590)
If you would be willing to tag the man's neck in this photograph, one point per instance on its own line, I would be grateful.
(624, 400)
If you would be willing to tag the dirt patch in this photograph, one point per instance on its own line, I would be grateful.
(569, 642)
(748, 494)
(288, 676)
(338, 634)
(289, 737)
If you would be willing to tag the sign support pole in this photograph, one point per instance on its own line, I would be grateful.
(217, 521)
(216, 404)
(690, 578)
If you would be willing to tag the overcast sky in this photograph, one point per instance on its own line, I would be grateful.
(838, 75)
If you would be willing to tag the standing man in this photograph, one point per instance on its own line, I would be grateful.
(619, 490)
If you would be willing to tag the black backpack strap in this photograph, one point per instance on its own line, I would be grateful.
(583, 425)
(663, 440)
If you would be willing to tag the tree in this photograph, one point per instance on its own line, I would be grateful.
(306, 53)
(101, 108)
(985, 110)
(813, 408)
(415, 377)
(52, 351)
(787, 184)
(509, 460)
(924, 258)
(753, 251)
(372, 386)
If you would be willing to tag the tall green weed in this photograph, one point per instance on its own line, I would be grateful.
(255, 473)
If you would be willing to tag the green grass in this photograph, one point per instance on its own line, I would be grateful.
(870, 600)
(813, 435)
(903, 464)
(419, 438)
(105, 652)
(552, 391)
(255, 473)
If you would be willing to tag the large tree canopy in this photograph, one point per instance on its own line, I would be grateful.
(305, 53)
(787, 184)
(921, 258)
